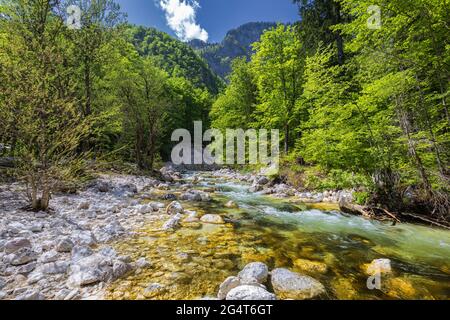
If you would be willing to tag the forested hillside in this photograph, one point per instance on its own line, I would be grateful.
(174, 56)
(358, 106)
(236, 44)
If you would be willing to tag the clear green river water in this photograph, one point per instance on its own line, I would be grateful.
(316, 240)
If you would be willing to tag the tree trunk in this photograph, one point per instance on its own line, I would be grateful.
(406, 126)
(339, 39)
(88, 86)
(286, 139)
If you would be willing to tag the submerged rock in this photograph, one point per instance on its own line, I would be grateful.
(232, 205)
(154, 289)
(250, 292)
(142, 263)
(309, 266)
(212, 219)
(291, 285)
(344, 289)
(399, 288)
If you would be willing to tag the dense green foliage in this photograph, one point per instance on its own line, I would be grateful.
(352, 99)
(105, 91)
(174, 56)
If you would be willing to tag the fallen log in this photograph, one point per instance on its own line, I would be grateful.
(368, 212)
(354, 209)
(381, 214)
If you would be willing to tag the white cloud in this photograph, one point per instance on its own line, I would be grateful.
(181, 18)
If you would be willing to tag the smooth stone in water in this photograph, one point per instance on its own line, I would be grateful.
(229, 284)
(212, 219)
(142, 263)
(255, 272)
(232, 205)
(309, 266)
(291, 285)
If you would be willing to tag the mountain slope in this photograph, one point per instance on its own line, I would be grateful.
(237, 43)
(174, 56)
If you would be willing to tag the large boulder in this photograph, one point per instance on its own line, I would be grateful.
(255, 272)
(120, 269)
(291, 285)
(49, 256)
(30, 295)
(191, 195)
(250, 292)
(103, 186)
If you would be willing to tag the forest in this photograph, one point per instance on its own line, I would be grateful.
(93, 205)
(358, 106)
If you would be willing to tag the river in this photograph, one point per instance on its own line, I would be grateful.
(316, 240)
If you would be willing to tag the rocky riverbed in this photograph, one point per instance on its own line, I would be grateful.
(128, 237)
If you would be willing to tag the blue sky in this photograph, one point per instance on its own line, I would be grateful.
(205, 19)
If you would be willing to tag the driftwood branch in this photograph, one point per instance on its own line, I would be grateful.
(383, 214)
(390, 214)
(427, 220)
